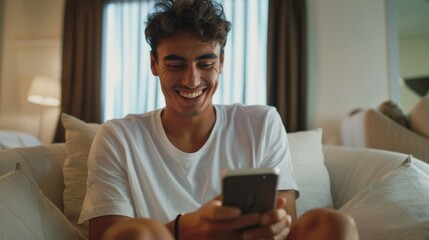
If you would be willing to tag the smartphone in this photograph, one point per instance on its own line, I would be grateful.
(251, 190)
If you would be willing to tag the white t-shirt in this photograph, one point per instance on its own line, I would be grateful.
(135, 171)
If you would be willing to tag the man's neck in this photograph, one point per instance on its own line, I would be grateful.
(188, 133)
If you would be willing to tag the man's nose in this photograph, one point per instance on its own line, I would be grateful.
(192, 78)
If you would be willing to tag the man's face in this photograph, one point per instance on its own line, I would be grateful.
(189, 71)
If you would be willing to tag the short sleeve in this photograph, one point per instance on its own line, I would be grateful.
(108, 190)
(277, 152)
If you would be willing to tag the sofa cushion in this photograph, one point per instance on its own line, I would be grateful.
(25, 213)
(396, 207)
(79, 136)
(352, 169)
(310, 172)
(419, 117)
(43, 163)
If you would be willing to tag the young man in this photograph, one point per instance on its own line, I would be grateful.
(150, 168)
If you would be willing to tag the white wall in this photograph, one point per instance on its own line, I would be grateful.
(31, 46)
(348, 65)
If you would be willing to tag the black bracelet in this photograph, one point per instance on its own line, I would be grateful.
(176, 226)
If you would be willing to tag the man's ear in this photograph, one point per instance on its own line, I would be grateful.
(153, 65)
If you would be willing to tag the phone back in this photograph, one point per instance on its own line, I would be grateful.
(250, 193)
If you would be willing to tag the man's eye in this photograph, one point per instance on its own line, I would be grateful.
(206, 65)
(175, 67)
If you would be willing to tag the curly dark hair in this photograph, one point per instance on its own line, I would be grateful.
(205, 18)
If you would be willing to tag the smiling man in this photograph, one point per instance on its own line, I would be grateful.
(159, 173)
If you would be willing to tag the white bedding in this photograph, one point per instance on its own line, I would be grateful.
(14, 139)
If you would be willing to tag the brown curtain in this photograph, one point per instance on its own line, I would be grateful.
(81, 62)
(287, 61)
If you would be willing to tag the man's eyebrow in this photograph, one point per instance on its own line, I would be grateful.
(174, 57)
(207, 56)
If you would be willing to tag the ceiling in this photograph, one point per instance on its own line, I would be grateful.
(413, 17)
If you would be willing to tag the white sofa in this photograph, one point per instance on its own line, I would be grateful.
(387, 193)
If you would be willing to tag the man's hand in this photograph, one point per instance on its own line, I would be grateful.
(214, 221)
(273, 225)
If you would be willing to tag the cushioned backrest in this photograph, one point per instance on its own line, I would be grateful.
(43, 163)
(352, 169)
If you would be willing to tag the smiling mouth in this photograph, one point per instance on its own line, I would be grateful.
(191, 95)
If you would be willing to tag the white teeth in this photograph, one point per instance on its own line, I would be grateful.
(191, 95)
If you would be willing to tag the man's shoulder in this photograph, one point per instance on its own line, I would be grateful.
(249, 110)
(255, 115)
(140, 116)
(133, 120)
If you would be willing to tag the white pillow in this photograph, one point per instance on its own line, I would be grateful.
(396, 207)
(25, 213)
(353, 169)
(419, 117)
(310, 172)
(79, 136)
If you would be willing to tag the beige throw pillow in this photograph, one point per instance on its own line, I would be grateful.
(419, 117)
(79, 136)
(353, 169)
(396, 207)
(310, 171)
(26, 213)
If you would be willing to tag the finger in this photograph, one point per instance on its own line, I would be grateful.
(216, 211)
(213, 210)
(272, 217)
(241, 222)
(279, 230)
(218, 198)
(283, 235)
(281, 202)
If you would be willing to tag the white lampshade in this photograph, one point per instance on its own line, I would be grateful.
(44, 91)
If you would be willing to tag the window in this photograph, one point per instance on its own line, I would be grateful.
(128, 85)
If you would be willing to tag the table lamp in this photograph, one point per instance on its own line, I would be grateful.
(46, 92)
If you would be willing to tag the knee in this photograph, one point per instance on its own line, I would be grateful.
(324, 224)
(138, 229)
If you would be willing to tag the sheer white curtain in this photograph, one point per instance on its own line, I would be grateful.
(128, 85)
